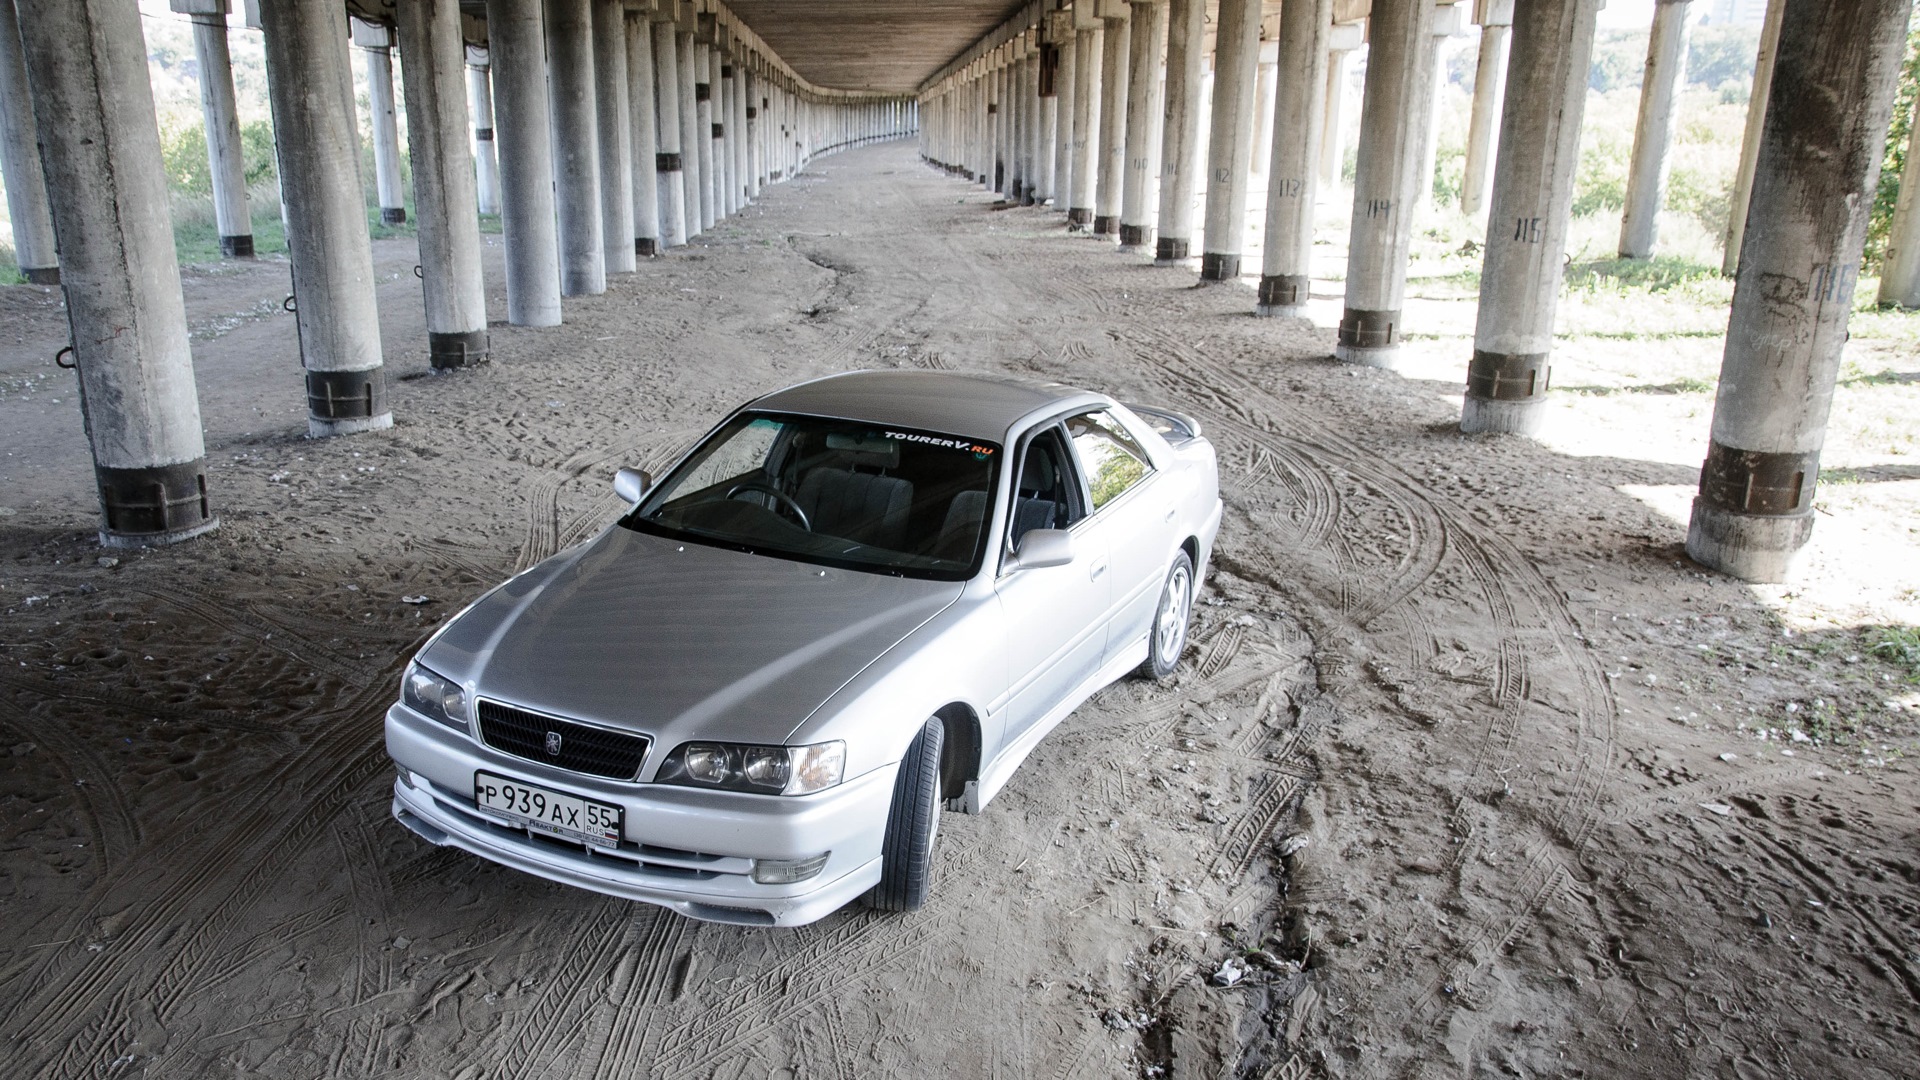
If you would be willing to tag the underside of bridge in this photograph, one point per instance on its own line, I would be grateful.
(1499, 746)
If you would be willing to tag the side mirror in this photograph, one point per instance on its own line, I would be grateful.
(632, 485)
(1041, 548)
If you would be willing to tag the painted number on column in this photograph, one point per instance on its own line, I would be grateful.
(1221, 176)
(1529, 230)
(1831, 283)
(1379, 207)
(1288, 189)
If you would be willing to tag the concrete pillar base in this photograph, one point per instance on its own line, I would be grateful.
(1106, 225)
(1751, 547)
(1079, 217)
(1280, 311)
(393, 215)
(1135, 236)
(1508, 377)
(237, 247)
(451, 350)
(1218, 267)
(1482, 416)
(155, 505)
(1168, 251)
(1284, 294)
(41, 275)
(346, 402)
(646, 247)
(1385, 357)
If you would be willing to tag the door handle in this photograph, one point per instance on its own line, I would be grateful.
(1171, 510)
(1099, 567)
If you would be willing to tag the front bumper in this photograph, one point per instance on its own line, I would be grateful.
(683, 848)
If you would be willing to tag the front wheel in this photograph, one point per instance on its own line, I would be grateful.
(906, 853)
(1167, 638)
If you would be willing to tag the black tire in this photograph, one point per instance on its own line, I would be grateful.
(906, 854)
(1167, 637)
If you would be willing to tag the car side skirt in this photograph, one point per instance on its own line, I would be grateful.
(995, 776)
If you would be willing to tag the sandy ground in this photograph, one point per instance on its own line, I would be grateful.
(1470, 771)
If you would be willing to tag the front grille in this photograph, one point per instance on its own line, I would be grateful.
(591, 750)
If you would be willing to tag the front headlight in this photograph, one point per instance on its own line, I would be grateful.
(434, 696)
(765, 770)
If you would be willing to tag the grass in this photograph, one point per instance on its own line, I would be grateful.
(1899, 646)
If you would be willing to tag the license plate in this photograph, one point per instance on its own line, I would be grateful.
(554, 813)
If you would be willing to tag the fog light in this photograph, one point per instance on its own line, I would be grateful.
(787, 871)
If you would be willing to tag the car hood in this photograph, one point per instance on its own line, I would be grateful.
(680, 641)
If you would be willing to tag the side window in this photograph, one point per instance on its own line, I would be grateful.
(1113, 461)
(1046, 495)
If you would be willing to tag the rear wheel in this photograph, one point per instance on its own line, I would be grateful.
(906, 853)
(1167, 638)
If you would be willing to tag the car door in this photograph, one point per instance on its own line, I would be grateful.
(1056, 615)
(1132, 505)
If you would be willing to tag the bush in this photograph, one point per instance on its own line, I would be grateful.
(1601, 182)
(1718, 55)
(183, 154)
(1619, 60)
(1894, 162)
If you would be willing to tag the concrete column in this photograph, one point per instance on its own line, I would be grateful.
(1230, 137)
(1299, 109)
(27, 205)
(1111, 178)
(703, 132)
(225, 163)
(86, 61)
(1489, 90)
(1659, 92)
(1527, 226)
(1146, 105)
(1268, 73)
(1395, 108)
(1750, 143)
(1813, 191)
(1047, 144)
(614, 125)
(1900, 269)
(486, 161)
(1180, 134)
(1087, 95)
(433, 79)
(667, 160)
(576, 147)
(310, 84)
(997, 118)
(725, 174)
(644, 145)
(698, 219)
(1333, 147)
(376, 44)
(516, 49)
(1065, 77)
(1446, 23)
(1029, 128)
(738, 137)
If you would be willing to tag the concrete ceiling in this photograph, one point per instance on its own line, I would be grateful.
(882, 45)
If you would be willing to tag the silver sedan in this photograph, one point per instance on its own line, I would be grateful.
(855, 602)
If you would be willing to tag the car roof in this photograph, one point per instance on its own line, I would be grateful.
(976, 406)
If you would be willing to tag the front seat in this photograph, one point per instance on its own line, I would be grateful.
(866, 507)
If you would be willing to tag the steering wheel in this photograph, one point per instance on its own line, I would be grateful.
(785, 501)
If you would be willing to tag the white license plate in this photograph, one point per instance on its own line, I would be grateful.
(554, 813)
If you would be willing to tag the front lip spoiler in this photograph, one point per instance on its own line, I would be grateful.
(416, 810)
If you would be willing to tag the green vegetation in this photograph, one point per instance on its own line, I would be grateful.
(1900, 646)
(1895, 161)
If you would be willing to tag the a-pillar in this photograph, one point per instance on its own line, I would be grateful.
(433, 78)
(1180, 136)
(486, 161)
(376, 44)
(310, 85)
(1527, 225)
(1394, 109)
(1140, 193)
(1064, 76)
(1900, 269)
(1111, 180)
(1659, 92)
(615, 126)
(87, 66)
(27, 206)
(644, 145)
(1230, 138)
(1489, 90)
(516, 47)
(576, 147)
(1299, 109)
(1757, 100)
(1087, 84)
(1813, 193)
(668, 159)
(1347, 38)
(225, 164)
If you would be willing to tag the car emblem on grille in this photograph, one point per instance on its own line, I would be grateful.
(553, 743)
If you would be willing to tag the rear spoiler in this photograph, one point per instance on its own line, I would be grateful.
(1174, 427)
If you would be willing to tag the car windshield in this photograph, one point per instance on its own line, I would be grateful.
(838, 492)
